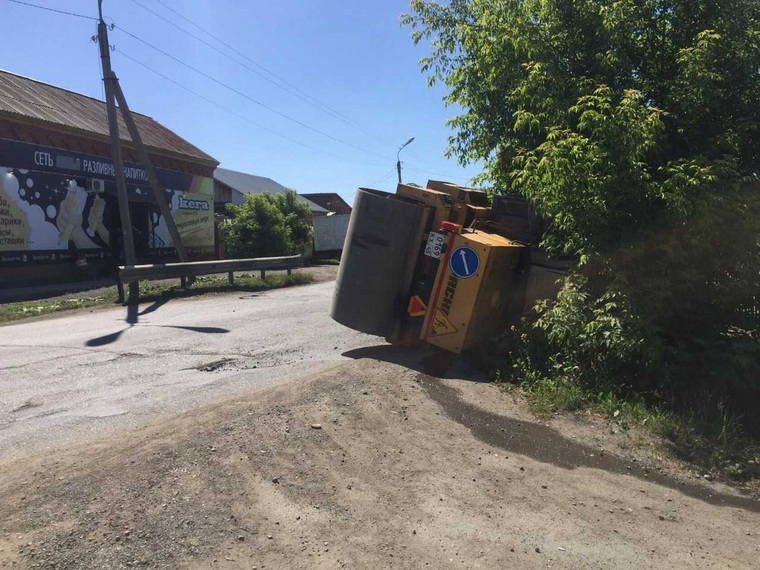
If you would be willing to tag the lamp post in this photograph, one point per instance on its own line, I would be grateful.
(398, 159)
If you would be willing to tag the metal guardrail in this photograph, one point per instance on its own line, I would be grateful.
(192, 269)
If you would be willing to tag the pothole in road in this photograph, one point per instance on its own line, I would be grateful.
(255, 360)
(212, 366)
(25, 406)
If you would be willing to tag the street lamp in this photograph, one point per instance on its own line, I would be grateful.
(398, 159)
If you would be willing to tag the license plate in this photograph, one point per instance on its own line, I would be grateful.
(434, 245)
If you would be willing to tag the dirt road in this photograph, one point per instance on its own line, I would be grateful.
(371, 463)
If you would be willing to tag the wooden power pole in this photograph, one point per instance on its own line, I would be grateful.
(113, 94)
(113, 127)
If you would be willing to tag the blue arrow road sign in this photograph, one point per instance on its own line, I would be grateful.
(464, 262)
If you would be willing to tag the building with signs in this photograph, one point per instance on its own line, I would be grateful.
(59, 217)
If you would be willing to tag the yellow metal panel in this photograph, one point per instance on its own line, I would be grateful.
(463, 310)
(493, 240)
(495, 295)
(448, 319)
(438, 200)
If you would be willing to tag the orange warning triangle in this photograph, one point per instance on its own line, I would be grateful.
(442, 325)
(416, 307)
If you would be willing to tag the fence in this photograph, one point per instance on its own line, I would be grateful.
(187, 271)
(330, 232)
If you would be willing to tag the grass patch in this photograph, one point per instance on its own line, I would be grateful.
(149, 291)
(707, 436)
(601, 348)
(27, 309)
(327, 261)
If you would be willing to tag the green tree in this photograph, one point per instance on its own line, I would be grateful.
(633, 126)
(267, 225)
(608, 115)
(297, 219)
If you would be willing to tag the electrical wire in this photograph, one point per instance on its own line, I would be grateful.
(234, 113)
(29, 4)
(292, 88)
(315, 101)
(280, 83)
(436, 173)
(383, 178)
(223, 53)
(246, 96)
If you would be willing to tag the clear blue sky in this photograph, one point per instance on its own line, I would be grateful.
(351, 55)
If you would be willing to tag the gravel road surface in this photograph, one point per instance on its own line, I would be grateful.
(366, 464)
(89, 374)
(249, 431)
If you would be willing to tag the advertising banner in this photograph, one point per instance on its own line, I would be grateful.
(50, 210)
(193, 214)
(49, 215)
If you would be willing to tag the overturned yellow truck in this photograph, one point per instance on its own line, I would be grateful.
(442, 265)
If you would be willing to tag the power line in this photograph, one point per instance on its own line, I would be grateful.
(228, 56)
(436, 173)
(316, 101)
(234, 113)
(383, 178)
(280, 83)
(29, 4)
(237, 91)
(293, 89)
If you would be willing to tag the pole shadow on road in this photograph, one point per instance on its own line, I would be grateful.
(133, 312)
(133, 316)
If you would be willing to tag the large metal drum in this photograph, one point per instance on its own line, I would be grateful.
(378, 262)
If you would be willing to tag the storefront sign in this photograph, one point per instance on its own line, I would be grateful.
(35, 157)
(47, 213)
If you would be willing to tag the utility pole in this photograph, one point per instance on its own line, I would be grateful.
(113, 94)
(398, 158)
(113, 127)
(145, 159)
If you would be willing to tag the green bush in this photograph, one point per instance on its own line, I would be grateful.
(671, 324)
(267, 225)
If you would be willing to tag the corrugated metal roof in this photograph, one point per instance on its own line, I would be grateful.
(324, 197)
(40, 101)
(252, 184)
